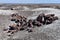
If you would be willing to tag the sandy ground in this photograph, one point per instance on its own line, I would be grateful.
(45, 32)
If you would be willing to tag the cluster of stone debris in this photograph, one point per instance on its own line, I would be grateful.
(21, 22)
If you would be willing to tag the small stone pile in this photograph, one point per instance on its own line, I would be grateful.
(21, 22)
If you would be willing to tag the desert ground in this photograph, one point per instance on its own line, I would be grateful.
(45, 32)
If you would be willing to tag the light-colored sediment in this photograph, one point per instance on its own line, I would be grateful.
(45, 32)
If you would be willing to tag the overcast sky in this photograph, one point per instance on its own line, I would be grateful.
(29, 1)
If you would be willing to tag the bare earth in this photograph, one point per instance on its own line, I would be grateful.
(45, 32)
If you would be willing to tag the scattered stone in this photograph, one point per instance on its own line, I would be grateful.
(22, 23)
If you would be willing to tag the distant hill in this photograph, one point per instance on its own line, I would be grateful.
(31, 6)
